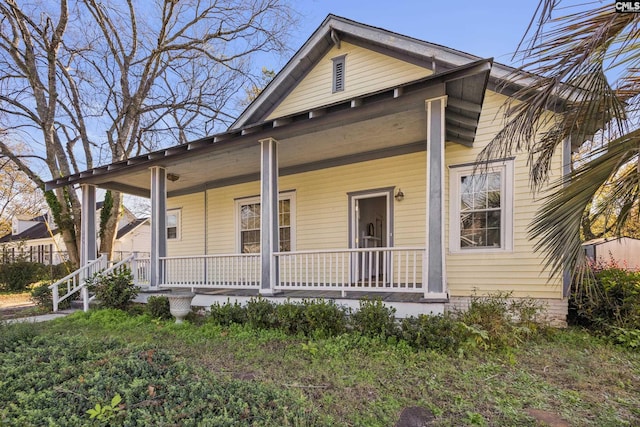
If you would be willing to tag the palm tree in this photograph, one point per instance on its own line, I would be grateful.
(586, 68)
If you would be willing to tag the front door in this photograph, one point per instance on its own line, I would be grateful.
(370, 227)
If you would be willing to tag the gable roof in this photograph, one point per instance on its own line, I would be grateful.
(335, 29)
(38, 231)
(462, 77)
(130, 227)
(41, 231)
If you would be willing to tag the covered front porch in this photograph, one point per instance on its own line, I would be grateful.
(417, 118)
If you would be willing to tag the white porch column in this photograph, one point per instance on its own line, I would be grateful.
(88, 244)
(434, 272)
(158, 223)
(269, 225)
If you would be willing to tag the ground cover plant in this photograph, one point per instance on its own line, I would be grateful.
(66, 371)
(76, 381)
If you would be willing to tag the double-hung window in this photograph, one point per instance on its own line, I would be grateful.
(481, 207)
(173, 224)
(249, 223)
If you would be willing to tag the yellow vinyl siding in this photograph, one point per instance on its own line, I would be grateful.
(365, 71)
(322, 204)
(191, 225)
(520, 271)
(222, 215)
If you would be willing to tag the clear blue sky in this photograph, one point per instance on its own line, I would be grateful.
(486, 28)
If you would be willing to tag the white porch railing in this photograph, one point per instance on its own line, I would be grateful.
(367, 270)
(141, 271)
(75, 282)
(125, 262)
(237, 271)
(140, 268)
(364, 270)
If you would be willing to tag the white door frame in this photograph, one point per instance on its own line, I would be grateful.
(354, 197)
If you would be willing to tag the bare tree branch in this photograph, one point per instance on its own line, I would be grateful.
(126, 76)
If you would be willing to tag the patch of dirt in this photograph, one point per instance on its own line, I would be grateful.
(16, 305)
(18, 311)
(415, 416)
(12, 300)
(546, 418)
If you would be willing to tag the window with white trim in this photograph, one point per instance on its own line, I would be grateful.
(173, 224)
(481, 207)
(249, 223)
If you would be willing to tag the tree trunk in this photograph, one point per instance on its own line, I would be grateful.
(109, 228)
(71, 246)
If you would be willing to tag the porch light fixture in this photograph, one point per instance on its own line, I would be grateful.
(399, 195)
(173, 177)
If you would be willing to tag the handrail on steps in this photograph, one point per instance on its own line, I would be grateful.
(76, 281)
(119, 264)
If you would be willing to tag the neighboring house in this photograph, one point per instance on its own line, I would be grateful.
(38, 239)
(624, 251)
(352, 174)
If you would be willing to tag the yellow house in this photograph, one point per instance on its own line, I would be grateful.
(352, 174)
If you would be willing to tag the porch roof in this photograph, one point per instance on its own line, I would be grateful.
(375, 125)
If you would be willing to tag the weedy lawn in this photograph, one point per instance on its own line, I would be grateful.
(66, 371)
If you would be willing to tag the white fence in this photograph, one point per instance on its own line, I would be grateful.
(370, 270)
(141, 271)
(374, 269)
(237, 271)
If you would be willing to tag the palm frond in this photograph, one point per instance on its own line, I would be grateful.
(556, 226)
(569, 61)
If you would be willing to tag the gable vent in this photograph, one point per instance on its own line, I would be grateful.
(338, 74)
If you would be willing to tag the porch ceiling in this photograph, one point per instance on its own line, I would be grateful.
(215, 168)
(377, 125)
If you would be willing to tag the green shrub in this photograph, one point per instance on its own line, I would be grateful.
(607, 298)
(629, 338)
(324, 318)
(497, 321)
(434, 332)
(158, 307)
(42, 297)
(113, 290)
(17, 276)
(291, 318)
(374, 319)
(227, 314)
(136, 309)
(261, 314)
(58, 271)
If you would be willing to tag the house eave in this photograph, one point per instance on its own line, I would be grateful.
(464, 85)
